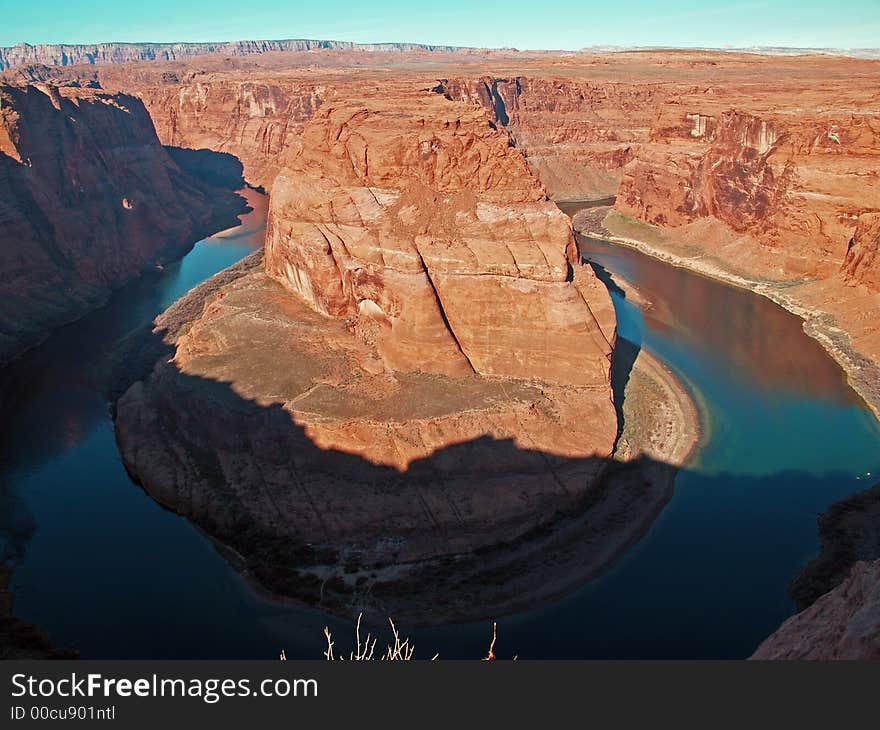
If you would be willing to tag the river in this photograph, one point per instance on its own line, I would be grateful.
(101, 567)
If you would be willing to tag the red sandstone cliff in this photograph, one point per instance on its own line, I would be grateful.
(88, 199)
(793, 177)
(577, 134)
(255, 120)
(862, 262)
(421, 220)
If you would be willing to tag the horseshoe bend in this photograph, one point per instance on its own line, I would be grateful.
(421, 361)
(507, 310)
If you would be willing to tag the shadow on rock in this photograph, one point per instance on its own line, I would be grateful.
(481, 527)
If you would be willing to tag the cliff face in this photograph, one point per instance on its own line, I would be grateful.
(107, 53)
(576, 134)
(795, 179)
(842, 624)
(253, 119)
(88, 199)
(425, 224)
(862, 262)
(416, 371)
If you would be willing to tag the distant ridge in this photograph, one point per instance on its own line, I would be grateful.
(22, 54)
(868, 53)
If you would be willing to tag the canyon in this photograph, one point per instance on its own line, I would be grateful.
(90, 199)
(419, 345)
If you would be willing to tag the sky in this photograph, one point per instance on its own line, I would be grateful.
(562, 24)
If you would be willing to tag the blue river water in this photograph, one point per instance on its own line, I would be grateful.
(101, 567)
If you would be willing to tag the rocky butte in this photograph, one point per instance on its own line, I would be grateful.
(417, 369)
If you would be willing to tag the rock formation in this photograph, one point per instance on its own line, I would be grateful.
(423, 373)
(577, 135)
(254, 120)
(862, 262)
(88, 199)
(426, 227)
(792, 178)
(842, 624)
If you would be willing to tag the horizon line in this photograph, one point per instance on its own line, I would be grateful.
(594, 46)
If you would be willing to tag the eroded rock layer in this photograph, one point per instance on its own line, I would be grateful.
(426, 228)
(577, 134)
(254, 119)
(88, 199)
(792, 177)
(862, 262)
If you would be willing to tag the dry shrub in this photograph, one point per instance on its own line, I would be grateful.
(400, 650)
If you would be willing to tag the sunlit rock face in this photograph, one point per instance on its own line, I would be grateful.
(88, 199)
(792, 177)
(256, 119)
(416, 219)
(862, 263)
(577, 134)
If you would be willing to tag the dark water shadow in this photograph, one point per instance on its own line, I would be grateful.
(625, 353)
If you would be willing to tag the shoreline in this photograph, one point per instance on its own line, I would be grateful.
(830, 337)
(662, 416)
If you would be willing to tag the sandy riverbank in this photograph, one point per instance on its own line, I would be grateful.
(863, 373)
(660, 417)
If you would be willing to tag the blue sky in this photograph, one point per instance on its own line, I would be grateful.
(569, 24)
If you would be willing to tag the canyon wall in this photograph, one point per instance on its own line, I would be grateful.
(786, 170)
(577, 134)
(255, 120)
(106, 53)
(792, 177)
(88, 199)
